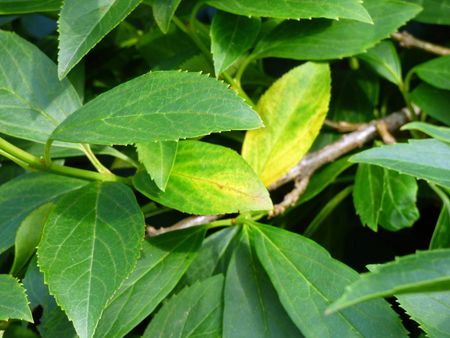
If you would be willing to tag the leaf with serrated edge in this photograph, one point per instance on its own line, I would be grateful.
(320, 39)
(296, 9)
(231, 37)
(293, 110)
(163, 11)
(158, 106)
(423, 271)
(20, 196)
(439, 133)
(307, 279)
(164, 260)
(197, 308)
(13, 300)
(82, 24)
(208, 179)
(425, 159)
(158, 159)
(33, 102)
(89, 245)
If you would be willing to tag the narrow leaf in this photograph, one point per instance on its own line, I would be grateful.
(83, 24)
(321, 39)
(158, 106)
(163, 11)
(383, 59)
(293, 110)
(208, 179)
(28, 6)
(249, 294)
(231, 37)
(441, 233)
(421, 272)
(197, 309)
(20, 196)
(158, 159)
(32, 99)
(436, 72)
(432, 101)
(295, 9)
(439, 133)
(426, 159)
(307, 279)
(163, 261)
(13, 300)
(90, 244)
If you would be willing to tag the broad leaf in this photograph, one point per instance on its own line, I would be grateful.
(431, 310)
(158, 159)
(90, 244)
(295, 9)
(163, 11)
(83, 24)
(197, 309)
(249, 294)
(439, 133)
(321, 39)
(20, 196)
(441, 234)
(29, 6)
(432, 101)
(14, 302)
(158, 106)
(436, 72)
(307, 279)
(32, 99)
(434, 11)
(421, 272)
(28, 236)
(163, 261)
(207, 179)
(293, 110)
(55, 323)
(231, 36)
(384, 60)
(427, 159)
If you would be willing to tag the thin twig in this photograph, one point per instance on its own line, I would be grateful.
(303, 171)
(409, 41)
(343, 126)
(383, 130)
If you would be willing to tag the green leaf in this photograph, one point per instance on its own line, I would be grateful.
(434, 11)
(208, 179)
(423, 271)
(295, 9)
(383, 59)
(20, 196)
(307, 279)
(231, 36)
(28, 236)
(441, 234)
(158, 106)
(430, 310)
(249, 294)
(293, 110)
(83, 24)
(436, 72)
(212, 257)
(197, 309)
(158, 159)
(321, 39)
(55, 323)
(90, 244)
(14, 302)
(163, 11)
(432, 101)
(164, 260)
(426, 159)
(28, 6)
(439, 133)
(32, 99)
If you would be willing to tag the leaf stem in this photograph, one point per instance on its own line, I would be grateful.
(47, 155)
(95, 161)
(238, 89)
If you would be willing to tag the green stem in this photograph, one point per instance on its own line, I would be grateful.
(193, 37)
(242, 67)
(94, 160)
(404, 89)
(238, 89)
(47, 155)
(221, 223)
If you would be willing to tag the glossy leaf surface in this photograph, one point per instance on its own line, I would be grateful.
(163, 11)
(439, 133)
(208, 179)
(14, 302)
(434, 11)
(432, 101)
(293, 110)
(436, 72)
(28, 6)
(158, 106)
(90, 244)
